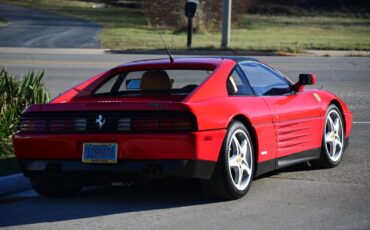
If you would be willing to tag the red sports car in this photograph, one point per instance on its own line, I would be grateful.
(220, 120)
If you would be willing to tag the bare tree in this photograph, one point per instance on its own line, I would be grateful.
(170, 13)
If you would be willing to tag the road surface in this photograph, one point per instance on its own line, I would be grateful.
(298, 197)
(36, 28)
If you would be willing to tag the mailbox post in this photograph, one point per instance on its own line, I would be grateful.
(190, 9)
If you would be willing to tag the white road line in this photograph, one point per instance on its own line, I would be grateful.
(361, 122)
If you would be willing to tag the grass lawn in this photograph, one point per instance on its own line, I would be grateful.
(3, 22)
(128, 29)
(8, 165)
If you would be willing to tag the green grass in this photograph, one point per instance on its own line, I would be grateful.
(3, 22)
(297, 33)
(128, 29)
(9, 165)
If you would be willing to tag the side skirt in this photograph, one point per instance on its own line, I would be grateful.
(271, 165)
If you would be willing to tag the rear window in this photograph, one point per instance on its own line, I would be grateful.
(168, 81)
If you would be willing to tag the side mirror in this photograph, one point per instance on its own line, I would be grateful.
(304, 79)
(307, 79)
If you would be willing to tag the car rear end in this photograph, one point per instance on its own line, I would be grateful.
(87, 136)
(155, 143)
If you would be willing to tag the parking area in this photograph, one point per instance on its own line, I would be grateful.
(298, 197)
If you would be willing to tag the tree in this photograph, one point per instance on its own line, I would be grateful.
(170, 13)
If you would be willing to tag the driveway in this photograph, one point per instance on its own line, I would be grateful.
(40, 29)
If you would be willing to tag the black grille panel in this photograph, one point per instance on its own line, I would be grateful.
(86, 122)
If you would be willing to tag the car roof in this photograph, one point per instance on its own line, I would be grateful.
(189, 60)
(240, 59)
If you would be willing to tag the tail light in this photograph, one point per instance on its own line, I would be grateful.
(163, 123)
(60, 125)
(43, 125)
(29, 125)
(114, 122)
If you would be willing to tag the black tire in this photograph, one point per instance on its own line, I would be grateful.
(326, 161)
(50, 186)
(221, 185)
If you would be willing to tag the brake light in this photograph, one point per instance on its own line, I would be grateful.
(29, 125)
(115, 122)
(43, 125)
(166, 123)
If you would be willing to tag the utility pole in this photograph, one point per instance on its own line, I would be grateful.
(226, 23)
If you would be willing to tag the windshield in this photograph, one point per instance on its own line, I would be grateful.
(163, 81)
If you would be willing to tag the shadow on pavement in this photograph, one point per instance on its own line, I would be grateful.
(29, 208)
(98, 201)
(293, 168)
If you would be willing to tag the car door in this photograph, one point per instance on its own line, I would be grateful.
(297, 116)
(256, 110)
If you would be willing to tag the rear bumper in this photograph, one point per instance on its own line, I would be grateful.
(201, 145)
(122, 170)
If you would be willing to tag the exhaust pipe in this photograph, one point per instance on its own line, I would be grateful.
(151, 171)
(154, 172)
(146, 171)
(53, 168)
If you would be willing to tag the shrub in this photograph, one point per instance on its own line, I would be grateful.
(209, 13)
(15, 96)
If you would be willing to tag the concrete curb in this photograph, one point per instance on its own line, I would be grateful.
(338, 53)
(13, 183)
(201, 52)
(193, 52)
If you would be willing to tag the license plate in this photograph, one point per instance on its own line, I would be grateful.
(99, 153)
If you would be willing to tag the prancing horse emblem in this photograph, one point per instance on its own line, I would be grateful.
(100, 120)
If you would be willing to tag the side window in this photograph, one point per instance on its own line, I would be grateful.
(131, 76)
(264, 80)
(238, 85)
(107, 87)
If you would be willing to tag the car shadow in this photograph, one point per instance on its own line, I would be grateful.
(99, 201)
(293, 168)
(30, 208)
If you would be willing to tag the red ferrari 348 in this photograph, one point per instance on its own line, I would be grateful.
(220, 120)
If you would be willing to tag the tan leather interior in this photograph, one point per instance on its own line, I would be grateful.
(155, 79)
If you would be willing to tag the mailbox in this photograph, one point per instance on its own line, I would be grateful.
(190, 8)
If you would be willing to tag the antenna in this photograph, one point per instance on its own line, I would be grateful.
(168, 51)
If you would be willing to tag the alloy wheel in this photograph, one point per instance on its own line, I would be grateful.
(240, 159)
(333, 136)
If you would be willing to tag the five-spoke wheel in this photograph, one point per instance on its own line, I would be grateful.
(334, 135)
(234, 171)
(240, 159)
(333, 139)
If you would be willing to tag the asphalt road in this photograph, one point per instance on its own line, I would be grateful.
(298, 197)
(35, 28)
